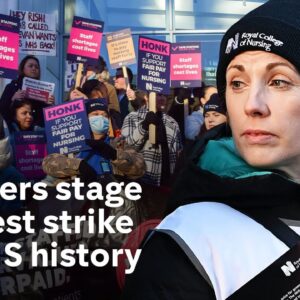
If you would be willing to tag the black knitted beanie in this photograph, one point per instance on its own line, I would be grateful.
(272, 27)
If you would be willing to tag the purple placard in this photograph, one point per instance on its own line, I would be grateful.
(30, 150)
(154, 65)
(67, 127)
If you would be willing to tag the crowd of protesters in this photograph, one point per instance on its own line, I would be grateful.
(119, 114)
(225, 182)
(119, 148)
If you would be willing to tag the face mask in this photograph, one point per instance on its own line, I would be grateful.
(93, 76)
(99, 124)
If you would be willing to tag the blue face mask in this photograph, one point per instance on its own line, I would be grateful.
(93, 76)
(99, 124)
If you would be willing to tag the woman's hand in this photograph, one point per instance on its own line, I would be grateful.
(130, 94)
(76, 94)
(18, 95)
(51, 100)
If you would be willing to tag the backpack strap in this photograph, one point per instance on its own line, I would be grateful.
(281, 230)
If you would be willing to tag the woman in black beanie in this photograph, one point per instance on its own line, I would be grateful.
(234, 217)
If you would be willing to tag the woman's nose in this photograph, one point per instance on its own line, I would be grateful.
(257, 103)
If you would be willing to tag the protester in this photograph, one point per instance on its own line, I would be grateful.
(176, 110)
(160, 158)
(106, 156)
(8, 173)
(195, 120)
(22, 117)
(101, 73)
(239, 196)
(121, 86)
(214, 113)
(91, 89)
(29, 67)
(106, 159)
(138, 98)
(97, 71)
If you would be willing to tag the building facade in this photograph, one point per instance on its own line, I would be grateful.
(204, 21)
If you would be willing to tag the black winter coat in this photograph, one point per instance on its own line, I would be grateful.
(5, 103)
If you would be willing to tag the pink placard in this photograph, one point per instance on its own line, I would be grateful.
(63, 110)
(37, 94)
(186, 66)
(9, 49)
(85, 43)
(154, 46)
(29, 160)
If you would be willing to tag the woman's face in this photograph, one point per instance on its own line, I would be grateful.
(263, 103)
(213, 118)
(120, 83)
(99, 126)
(98, 113)
(31, 69)
(96, 94)
(24, 117)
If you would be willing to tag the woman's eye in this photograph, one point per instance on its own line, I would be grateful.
(236, 84)
(280, 83)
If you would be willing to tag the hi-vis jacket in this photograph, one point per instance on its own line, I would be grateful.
(206, 248)
(227, 247)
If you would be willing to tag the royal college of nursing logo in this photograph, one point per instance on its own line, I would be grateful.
(253, 39)
(288, 268)
(232, 43)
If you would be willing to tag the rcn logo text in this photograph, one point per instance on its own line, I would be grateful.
(232, 43)
(288, 268)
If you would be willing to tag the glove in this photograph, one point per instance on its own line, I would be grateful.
(86, 172)
(2, 132)
(103, 148)
(151, 118)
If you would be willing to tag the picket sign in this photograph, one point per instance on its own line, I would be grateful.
(152, 127)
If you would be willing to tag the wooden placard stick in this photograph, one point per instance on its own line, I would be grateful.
(110, 129)
(78, 75)
(77, 84)
(152, 128)
(185, 110)
(125, 74)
